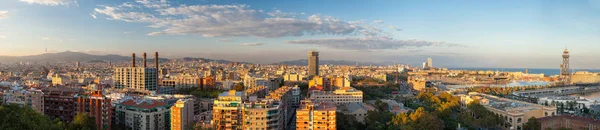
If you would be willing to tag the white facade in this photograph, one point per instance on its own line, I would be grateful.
(138, 78)
(339, 96)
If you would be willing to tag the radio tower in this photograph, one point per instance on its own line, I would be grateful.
(564, 67)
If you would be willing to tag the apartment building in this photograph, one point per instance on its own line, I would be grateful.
(227, 110)
(182, 114)
(98, 106)
(32, 98)
(143, 114)
(60, 103)
(316, 116)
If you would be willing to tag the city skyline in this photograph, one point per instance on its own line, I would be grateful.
(512, 34)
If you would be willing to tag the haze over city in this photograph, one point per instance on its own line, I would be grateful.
(455, 33)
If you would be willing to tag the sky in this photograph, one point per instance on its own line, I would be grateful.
(454, 33)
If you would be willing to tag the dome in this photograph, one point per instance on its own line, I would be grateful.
(566, 51)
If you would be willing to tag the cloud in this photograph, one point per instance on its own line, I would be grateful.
(2, 37)
(51, 2)
(369, 43)
(154, 33)
(228, 20)
(394, 28)
(252, 44)
(93, 16)
(3, 14)
(225, 40)
(45, 38)
(378, 21)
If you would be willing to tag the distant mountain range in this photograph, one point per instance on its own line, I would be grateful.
(69, 56)
(303, 62)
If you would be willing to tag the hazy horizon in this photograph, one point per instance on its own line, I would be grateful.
(455, 33)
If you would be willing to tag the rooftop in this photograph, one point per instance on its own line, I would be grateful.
(143, 103)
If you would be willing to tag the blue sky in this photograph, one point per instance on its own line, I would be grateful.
(455, 33)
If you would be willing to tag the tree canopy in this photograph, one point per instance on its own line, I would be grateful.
(13, 117)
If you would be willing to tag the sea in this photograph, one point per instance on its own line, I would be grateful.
(547, 72)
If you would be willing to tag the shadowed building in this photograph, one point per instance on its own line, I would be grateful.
(313, 63)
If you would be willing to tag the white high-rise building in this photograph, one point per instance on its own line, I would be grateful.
(138, 78)
(429, 63)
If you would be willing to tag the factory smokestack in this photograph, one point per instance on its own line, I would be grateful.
(133, 60)
(145, 60)
(156, 61)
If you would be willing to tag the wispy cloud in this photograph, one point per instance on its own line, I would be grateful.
(51, 2)
(394, 28)
(378, 21)
(225, 40)
(93, 16)
(228, 20)
(369, 43)
(2, 36)
(3, 14)
(252, 44)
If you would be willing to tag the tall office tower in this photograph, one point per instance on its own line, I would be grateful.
(77, 64)
(315, 116)
(137, 78)
(227, 110)
(313, 63)
(156, 60)
(564, 67)
(182, 114)
(98, 106)
(429, 63)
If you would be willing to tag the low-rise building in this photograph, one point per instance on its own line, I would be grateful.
(515, 113)
(358, 110)
(569, 122)
(339, 96)
(32, 98)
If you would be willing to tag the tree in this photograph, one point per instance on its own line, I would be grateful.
(84, 122)
(422, 120)
(347, 122)
(13, 117)
(380, 105)
(379, 120)
(532, 124)
(239, 87)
